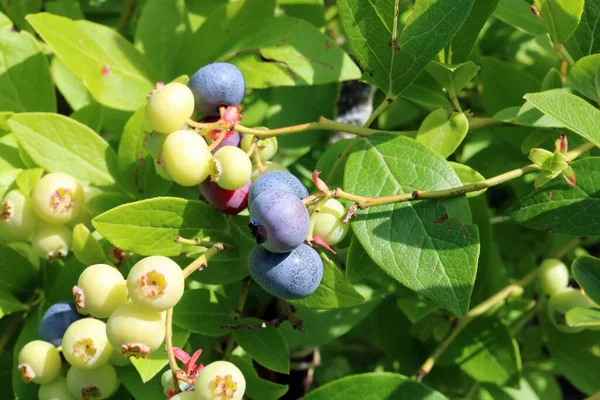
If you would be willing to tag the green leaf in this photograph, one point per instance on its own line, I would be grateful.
(583, 317)
(256, 387)
(560, 208)
(60, 144)
(505, 84)
(10, 304)
(267, 346)
(135, 163)
(443, 131)
(17, 274)
(393, 58)
(358, 263)
(552, 80)
(149, 227)
(86, 247)
(527, 115)
(27, 179)
(561, 17)
(311, 10)
(130, 378)
(24, 75)
(90, 115)
(334, 291)
(376, 385)
(29, 332)
(18, 10)
(463, 42)
(518, 14)
(323, 326)
(114, 72)
(168, 21)
(486, 351)
(279, 51)
(427, 92)
(468, 175)
(428, 246)
(69, 85)
(582, 76)
(586, 270)
(585, 40)
(105, 201)
(453, 77)
(534, 385)
(199, 311)
(225, 268)
(66, 8)
(149, 367)
(572, 111)
(60, 289)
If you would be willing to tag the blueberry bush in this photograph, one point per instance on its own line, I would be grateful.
(318, 199)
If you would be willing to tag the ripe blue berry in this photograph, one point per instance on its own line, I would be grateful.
(56, 320)
(217, 84)
(277, 180)
(279, 221)
(226, 201)
(289, 276)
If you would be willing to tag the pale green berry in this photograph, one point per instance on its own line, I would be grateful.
(117, 358)
(58, 198)
(329, 222)
(155, 283)
(100, 290)
(169, 107)
(267, 166)
(136, 331)
(231, 168)
(220, 380)
(267, 148)
(55, 390)
(85, 344)
(185, 396)
(51, 242)
(186, 157)
(96, 384)
(563, 301)
(154, 142)
(18, 219)
(553, 276)
(39, 362)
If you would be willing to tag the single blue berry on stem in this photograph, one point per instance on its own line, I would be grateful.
(277, 180)
(216, 85)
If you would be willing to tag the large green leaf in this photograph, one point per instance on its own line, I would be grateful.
(114, 72)
(486, 351)
(161, 31)
(570, 110)
(69, 85)
(61, 144)
(374, 386)
(17, 274)
(586, 39)
(24, 75)
(429, 246)
(557, 207)
(582, 76)
(334, 291)
(518, 14)
(267, 346)
(561, 17)
(393, 55)
(463, 42)
(149, 227)
(199, 311)
(586, 270)
(269, 51)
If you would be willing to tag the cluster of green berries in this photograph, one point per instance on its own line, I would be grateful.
(44, 216)
(554, 282)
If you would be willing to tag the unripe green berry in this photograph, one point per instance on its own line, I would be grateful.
(96, 384)
(220, 380)
(186, 157)
(185, 396)
(85, 344)
(553, 276)
(39, 362)
(55, 390)
(51, 242)
(58, 198)
(329, 222)
(136, 331)
(563, 301)
(169, 107)
(155, 283)
(154, 142)
(18, 219)
(100, 290)
(267, 148)
(231, 168)
(117, 359)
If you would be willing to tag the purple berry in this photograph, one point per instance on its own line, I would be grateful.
(232, 138)
(226, 201)
(277, 180)
(56, 320)
(279, 221)
(215, 85)
(289, 276)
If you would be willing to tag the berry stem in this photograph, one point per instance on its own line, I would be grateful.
(381, 108)
(256, 158)
(178, 373)
(218, 141)
(475, 312)
(202, 262)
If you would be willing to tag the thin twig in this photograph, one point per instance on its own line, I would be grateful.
(201, 262)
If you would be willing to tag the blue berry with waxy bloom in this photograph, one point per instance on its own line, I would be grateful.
(277, 180)
(279, 221)
(289, 276)
(56, 320)
(215, 85)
